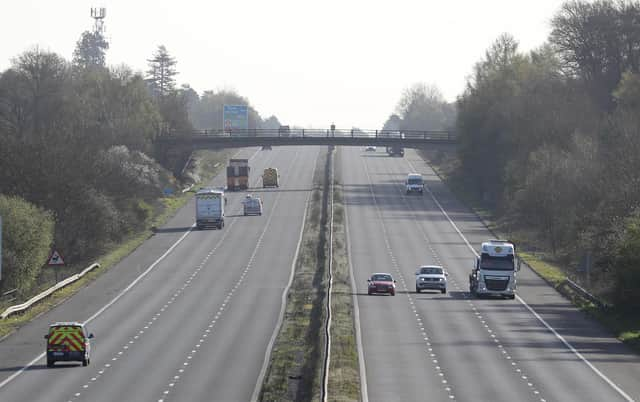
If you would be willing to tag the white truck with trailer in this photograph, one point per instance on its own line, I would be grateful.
(494, 271)
(210, 208)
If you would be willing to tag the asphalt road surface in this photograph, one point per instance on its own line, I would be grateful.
(197, 321)
(442, 347)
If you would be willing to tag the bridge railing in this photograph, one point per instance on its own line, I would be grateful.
(442, 135)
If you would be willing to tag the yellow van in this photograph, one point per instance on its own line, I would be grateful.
(270, 177)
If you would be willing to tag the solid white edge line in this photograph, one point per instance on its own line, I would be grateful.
(106, 306)
(572, 349)
(95, 315)
(535, 314)
(283, 303)
(139, 278)
(356, 314)
(330, 285)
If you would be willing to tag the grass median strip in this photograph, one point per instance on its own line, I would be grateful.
(344, 376)
(294, 372)
(209, 163)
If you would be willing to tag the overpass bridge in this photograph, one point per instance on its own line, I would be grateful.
(216, 139)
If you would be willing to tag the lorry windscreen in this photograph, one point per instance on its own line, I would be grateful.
(414, 181)
(496, 263)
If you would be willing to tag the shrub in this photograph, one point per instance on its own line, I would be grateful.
(26, 242)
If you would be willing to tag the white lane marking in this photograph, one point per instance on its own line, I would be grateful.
(212, 251)
(272, 341)
(241, 279)
(435, 255)
(397, 268)
(356, 311)
(535, 314)
(575, 352)
(106, 306)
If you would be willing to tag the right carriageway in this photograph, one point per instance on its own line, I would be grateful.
(451, 346)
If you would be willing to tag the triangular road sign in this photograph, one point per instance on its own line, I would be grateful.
(56, 258)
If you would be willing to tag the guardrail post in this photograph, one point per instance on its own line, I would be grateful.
(351, 133)
(303, 133)
(376, 133)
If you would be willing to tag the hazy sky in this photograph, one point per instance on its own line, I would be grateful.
(308, 62)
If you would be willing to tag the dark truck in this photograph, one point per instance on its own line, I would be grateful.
(395, 150)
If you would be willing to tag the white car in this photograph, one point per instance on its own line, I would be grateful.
(252, 205)
(414, 183)
(431, 277)
(370, 148)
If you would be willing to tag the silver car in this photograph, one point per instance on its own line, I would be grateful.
(432, 277)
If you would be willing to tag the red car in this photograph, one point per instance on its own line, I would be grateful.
(382, 283)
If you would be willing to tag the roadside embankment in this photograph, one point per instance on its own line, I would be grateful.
(207, 164)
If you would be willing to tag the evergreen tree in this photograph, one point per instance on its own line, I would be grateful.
(161, 73)
(90, 50)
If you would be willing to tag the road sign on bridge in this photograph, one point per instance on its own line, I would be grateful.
(235, 117)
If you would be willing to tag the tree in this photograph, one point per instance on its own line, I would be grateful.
(626, 261)
(90, 50)
(161, 73)
(598, 42)
(26, 241)
(422, 107)
(271, 123)
(208, 113)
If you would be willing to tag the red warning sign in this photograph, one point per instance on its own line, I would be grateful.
(55, 259)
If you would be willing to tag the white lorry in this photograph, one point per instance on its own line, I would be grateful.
(210, 208)
(494, 271)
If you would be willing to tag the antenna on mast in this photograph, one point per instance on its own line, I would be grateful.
(98, 15)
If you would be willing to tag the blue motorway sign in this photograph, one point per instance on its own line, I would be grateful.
(235, 117)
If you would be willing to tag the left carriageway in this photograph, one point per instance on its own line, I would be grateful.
(189, 315)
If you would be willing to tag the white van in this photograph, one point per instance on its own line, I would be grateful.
(414, 183)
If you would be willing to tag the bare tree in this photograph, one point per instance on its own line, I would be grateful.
(598, 42)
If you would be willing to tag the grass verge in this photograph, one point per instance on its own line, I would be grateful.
(344, 375)
(209, 163)
(623, 324)
(294, 372)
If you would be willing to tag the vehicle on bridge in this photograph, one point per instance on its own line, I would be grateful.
(494, 271)
(270, 178)
(432, 277)
(68, 341)
(284, 131)
(414, 183)
(381, 283)
(238, 174)
(210, 208)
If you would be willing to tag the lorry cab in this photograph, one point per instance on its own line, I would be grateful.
(494, 270)
(414, 183)
(68, 341)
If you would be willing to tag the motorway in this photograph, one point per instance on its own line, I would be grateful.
(443, 347)
(198, 320)
(189, 316)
